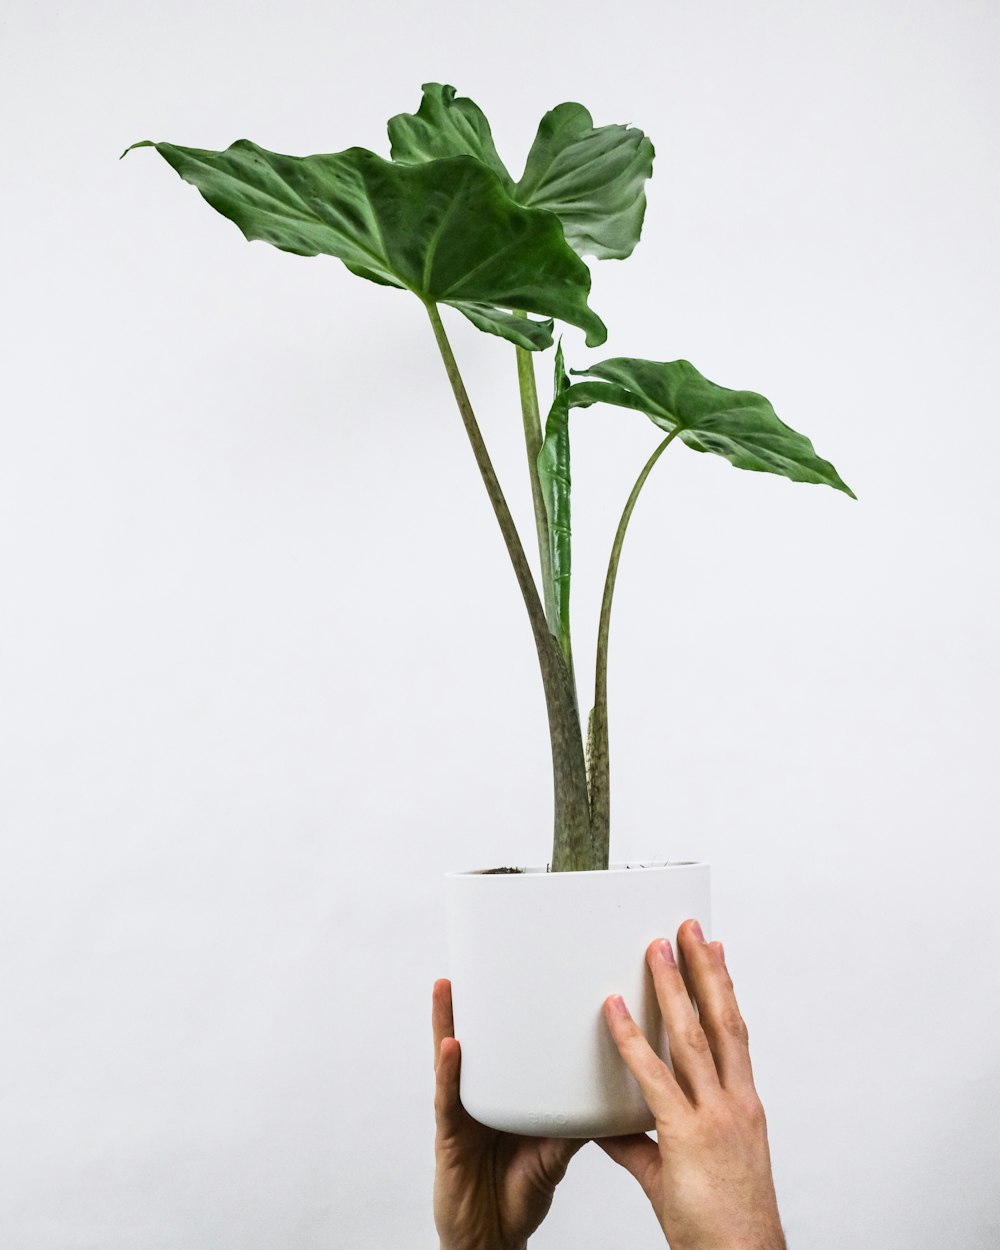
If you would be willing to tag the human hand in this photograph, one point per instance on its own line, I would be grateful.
(491, 1189)
(708, 1174)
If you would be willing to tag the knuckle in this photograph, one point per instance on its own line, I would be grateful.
(753, 1111)
(717, 1121)
(663, 1107)
(696, 1038)
(444, 1145)
(734, 1024)
(745, 1113)
(733, 1117)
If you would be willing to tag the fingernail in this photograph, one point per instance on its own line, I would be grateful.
(618, 1007)
(722, 953)
(696, 930)
(667, 952)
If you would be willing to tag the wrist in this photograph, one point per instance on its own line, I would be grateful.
(770, 1241)
(521, 1245)
(765, 1241)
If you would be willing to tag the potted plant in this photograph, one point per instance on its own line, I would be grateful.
(534, 949)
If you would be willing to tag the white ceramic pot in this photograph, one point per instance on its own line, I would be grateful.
(533, 956)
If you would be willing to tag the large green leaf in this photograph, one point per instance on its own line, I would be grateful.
(446, 230)
(739, 425)
(554, 476)
(591, 177)
(445, 125)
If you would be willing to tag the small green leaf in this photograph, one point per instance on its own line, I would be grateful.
(739, 425)
(534, 336)
(445, 125)
(554, 476)
(592, 179)
(446, 230)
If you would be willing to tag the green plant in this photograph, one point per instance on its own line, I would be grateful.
(445, 220)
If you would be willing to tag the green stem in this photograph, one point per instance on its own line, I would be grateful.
(571, 849)
(533, 444)
(598, 762)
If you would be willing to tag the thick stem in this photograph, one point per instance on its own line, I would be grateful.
(598, 761)
(533, 444)
(571, 850)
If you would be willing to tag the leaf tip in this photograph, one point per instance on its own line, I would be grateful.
(143, 143)
(560, 378)
(833, 478)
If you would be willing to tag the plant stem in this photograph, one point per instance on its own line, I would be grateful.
(571, 849)
(533, 444)
(598, 762)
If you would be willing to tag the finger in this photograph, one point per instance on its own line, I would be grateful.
(448, 1109)
(712, 988)
(555, 1154)
(655, 1080)
(442, 1019)
(637, 1154)
(690, 1053)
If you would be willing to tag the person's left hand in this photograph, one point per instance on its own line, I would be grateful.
(491, 1189)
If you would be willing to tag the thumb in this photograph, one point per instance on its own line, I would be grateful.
(637, 1154)
(556, 1153)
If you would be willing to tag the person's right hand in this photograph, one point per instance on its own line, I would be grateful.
(708, 1175)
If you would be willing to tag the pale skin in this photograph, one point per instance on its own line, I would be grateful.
(708, 1174)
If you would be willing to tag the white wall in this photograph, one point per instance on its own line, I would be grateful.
(265, 676)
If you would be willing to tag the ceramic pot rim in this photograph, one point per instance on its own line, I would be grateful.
(618, 868)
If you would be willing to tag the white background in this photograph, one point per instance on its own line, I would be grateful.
(265, 675)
